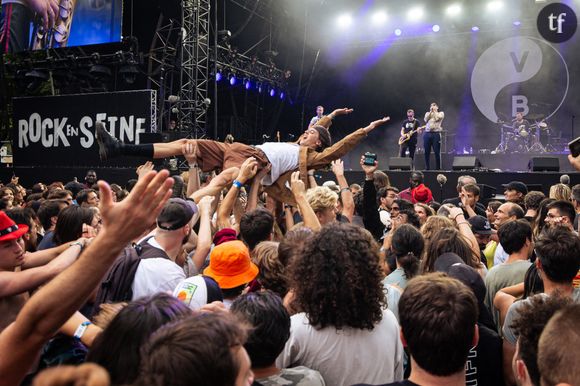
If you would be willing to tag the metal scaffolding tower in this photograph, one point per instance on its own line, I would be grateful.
(193, 95)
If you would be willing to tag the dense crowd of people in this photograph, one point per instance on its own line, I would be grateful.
(205, 279)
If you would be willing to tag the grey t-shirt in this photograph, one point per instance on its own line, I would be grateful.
(501, 276)
(514, 311)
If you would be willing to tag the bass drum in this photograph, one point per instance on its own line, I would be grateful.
(516, 143)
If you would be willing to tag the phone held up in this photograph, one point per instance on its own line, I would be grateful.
(370, 159)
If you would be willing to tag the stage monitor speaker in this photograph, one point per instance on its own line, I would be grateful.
(398, 163)
(544, 164)
(466, 163)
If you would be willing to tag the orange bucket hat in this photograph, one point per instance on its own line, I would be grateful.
(230, 265)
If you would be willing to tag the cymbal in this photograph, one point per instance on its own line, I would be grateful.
(536, 117)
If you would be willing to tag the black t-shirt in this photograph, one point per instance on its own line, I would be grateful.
(409, 125)
(484, 363)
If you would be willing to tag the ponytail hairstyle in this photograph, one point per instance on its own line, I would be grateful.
(408, 246)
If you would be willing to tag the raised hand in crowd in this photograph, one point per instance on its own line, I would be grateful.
(49, 308)
(346, 197)
(299, 192)
(256, 186)
(142, 170)
(248, 170)
(369, 169)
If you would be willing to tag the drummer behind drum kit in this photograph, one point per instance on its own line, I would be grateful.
(534, 138)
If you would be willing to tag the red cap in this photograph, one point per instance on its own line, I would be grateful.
(421, 194)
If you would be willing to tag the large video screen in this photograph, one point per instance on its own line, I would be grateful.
(78, 23)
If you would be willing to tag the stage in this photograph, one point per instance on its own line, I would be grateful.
(493, 180)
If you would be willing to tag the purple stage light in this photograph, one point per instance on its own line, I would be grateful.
(475, 28)
(247, 84)
(436, 28)
(282, 94)
(232, 80)
(398, 32)
(272, 92)
(218, 76)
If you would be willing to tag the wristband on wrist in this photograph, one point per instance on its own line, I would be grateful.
(344, 190)
(462, 222)
(77, 243)
(237, 184)
(79, 332)
(457, 215)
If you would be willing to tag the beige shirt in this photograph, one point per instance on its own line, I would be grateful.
(433, 121)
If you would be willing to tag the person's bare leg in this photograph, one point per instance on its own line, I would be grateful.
(110, 146)
(169, 149)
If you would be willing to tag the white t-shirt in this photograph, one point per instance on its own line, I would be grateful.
(156, 275)
(348, 356)
(283, 156)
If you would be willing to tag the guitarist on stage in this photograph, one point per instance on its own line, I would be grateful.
(408, 138)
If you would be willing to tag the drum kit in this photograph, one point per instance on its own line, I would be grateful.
(525, 138)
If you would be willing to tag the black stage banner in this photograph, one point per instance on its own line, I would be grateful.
(59, 130)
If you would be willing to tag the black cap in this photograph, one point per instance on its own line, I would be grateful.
(480, 225)
(518, 186)
(446, 260)
(176, 213)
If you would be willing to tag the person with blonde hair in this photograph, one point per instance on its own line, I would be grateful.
(560, 192)
(323, 201)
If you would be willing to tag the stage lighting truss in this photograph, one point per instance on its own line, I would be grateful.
(65, 65)
(252, 73)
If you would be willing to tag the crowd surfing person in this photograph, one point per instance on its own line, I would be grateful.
(217, 282)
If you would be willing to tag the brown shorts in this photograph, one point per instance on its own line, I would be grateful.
(219, 155)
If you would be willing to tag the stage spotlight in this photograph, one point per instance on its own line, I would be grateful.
(247, 84)
(436, 28)
(344, 21)
(282, 95)
(129, 73)
(379, 17)
(218, 76)
(259, 87)
(398, 32)
(99, 71)
(233, 79)
(517, 23)
(475, 28)
(495, 5)
(272, 92)
(415, 14)
(453, 10)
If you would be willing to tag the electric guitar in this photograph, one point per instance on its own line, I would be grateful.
(407, 136)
